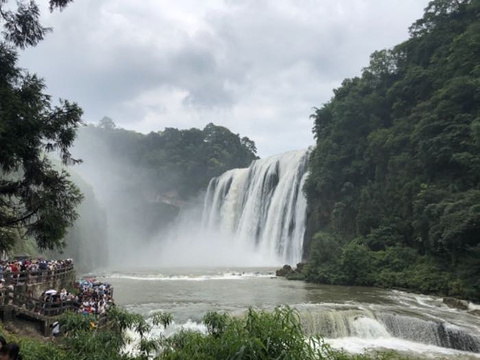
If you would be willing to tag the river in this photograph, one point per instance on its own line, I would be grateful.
(356, 319)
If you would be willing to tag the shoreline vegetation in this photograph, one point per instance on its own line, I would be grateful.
(300, 273)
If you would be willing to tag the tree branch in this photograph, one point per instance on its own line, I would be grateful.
(16, 221)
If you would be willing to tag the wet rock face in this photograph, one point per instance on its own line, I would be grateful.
(455, 303)
(474, 312)
(287, 270)
(284, 271)
(300, 267)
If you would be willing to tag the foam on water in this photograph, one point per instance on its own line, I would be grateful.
(223, 276)
(356, 345)
(158, 331)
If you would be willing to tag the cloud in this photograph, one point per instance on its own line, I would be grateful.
(255, 66)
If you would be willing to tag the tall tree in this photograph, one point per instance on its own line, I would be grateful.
(36, 199)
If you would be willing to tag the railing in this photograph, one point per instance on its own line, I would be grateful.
(35, 306)
(45, 312)
(4, 295)
(36, 277)
(42, 307)
(102, 321)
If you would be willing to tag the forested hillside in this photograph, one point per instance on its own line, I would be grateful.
(181, 161)
(394, 188)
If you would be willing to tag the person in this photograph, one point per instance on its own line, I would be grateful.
(55, 330)
(10, 351)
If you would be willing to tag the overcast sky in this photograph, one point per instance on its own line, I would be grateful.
(257, 67)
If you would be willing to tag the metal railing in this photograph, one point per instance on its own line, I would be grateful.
(36, 277)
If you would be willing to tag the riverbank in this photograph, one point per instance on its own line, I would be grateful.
(423, 279)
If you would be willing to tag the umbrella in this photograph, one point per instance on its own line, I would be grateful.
(50, 292)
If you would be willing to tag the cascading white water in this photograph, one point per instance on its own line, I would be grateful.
(262, 206)
(366, 324)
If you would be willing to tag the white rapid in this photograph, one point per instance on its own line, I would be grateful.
(358, 323)
(262, 206)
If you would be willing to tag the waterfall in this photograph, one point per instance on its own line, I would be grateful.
(262, 206)
(366, 324)
(430, 332)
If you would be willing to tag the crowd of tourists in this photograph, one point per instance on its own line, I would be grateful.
(90, 297)
(95, 297)
(87, 297)
(19, 271)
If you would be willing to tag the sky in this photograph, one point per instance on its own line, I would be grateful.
(258, 67)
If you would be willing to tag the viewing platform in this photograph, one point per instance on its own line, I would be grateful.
(33, 296)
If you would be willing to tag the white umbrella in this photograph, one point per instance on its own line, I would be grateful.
(50, 292)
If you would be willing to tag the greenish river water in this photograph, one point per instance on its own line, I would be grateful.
(356, 319)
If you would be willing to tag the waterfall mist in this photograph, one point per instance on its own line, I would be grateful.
(133, 212)
(190, 244)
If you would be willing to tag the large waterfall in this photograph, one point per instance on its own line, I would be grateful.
(262, 206)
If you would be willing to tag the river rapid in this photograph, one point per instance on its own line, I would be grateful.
(357, 319)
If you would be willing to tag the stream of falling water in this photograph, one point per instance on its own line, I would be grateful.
(262, 206)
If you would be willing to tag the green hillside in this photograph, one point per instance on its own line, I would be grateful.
(394, 192)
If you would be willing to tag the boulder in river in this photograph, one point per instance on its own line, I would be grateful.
(455, 303)
(300, 267)
(284, 271)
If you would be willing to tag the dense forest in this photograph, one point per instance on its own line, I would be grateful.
(176, 161)
(394, 191)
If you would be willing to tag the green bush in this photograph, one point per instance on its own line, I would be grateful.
(259, 335)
